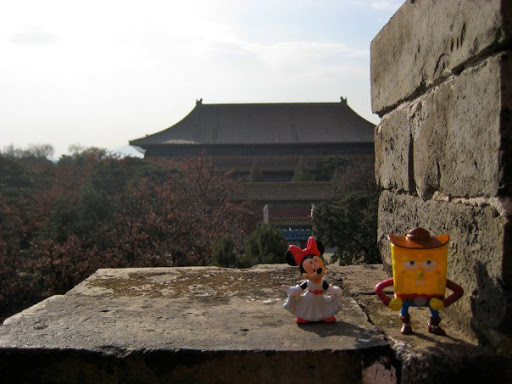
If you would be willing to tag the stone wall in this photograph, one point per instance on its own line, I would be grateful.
(441, 76)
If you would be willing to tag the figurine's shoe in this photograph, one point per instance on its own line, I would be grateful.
(300, 320)
(331, 319)
(433, 326)
(406, 327)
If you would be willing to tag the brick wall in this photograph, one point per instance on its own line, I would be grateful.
(441, 76)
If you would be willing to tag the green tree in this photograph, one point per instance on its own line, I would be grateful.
(301, 172)
(61, 221)
(256, 174)
(223, 252)
(350, 224)
(330, 169)
(266, 245)
(35, 150)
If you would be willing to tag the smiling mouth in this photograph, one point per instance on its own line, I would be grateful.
(420, 282)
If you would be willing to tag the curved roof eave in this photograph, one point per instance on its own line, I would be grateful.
(272, 123)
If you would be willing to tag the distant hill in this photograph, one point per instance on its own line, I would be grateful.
(127, 151)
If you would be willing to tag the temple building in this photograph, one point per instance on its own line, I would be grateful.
(270, 140)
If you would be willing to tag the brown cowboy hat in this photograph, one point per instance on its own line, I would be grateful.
(419, 238)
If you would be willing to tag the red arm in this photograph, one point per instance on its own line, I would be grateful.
(458, 291)
(379, 291)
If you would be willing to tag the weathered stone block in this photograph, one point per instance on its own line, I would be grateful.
(455, 139)
(393, 152)
(478, 254)
(427, 40)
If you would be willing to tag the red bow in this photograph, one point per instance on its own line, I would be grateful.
(299, 254)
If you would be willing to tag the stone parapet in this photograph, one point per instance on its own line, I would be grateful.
(216, 325)
(426, 41)
(187, 325)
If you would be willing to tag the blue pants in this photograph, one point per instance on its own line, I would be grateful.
(406, 304)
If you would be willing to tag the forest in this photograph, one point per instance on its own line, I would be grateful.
(62, 220)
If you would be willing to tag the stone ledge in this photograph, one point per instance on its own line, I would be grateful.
(423, 357)
(215, 325)
(201, 324)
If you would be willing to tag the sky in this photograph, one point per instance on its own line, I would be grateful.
(103, 72)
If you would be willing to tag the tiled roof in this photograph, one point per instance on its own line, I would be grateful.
(277, 123)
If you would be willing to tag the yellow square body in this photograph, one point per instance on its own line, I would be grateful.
(419, 271)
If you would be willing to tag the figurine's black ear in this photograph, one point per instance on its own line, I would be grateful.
(320, 246)
(289, 259)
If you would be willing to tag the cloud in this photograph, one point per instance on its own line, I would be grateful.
(124, 68)
(33, 35)
(298, 55)
(379, 5)
(383, 5)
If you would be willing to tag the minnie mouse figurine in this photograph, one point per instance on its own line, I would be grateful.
(319, 302)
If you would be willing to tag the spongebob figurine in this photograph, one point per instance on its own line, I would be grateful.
(419, 263)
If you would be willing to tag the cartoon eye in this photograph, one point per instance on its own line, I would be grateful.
(429, 265)
(410, 265)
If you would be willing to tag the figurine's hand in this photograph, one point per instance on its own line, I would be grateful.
(294, 291)
(436, 304)
(334, 290)
(395, 304)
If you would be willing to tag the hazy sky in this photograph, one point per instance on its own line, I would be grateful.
(103, 72)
